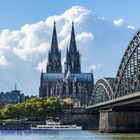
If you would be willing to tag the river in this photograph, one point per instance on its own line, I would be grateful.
(65, 135)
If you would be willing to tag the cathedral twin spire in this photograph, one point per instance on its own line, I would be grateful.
(54, 56)
(54, 44)
(72, 63)
(72, 47)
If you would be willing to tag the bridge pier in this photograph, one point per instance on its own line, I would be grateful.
(119, 121)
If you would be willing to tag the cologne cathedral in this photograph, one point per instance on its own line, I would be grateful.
(71, 83)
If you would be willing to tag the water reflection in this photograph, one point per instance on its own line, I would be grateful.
(29, 132)
(63, 135)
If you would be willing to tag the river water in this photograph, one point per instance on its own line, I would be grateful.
(65, 135)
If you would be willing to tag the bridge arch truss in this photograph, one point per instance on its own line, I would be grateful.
(128, 75)
(103, 90)
(127, 80)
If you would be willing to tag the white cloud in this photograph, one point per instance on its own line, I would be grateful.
(42, 66)
(64, 43)
(26, 49)
(3, 61)
(84, 36)
(119, 22)
(63, 63)
(32, 41)
(94, 67)
(25, 42)
(131, 27)
(102, 18)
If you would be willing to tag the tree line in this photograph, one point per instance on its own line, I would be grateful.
(34, 108)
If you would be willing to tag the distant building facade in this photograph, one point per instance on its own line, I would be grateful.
(13, 97)
(70, 84)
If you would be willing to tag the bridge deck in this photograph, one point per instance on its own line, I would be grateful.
(131, 99)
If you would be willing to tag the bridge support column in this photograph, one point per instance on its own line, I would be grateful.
(114, 121)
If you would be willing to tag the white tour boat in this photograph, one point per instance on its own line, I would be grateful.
(51, 125)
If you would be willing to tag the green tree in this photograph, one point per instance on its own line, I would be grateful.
(35, 107)
(53, 107)
(12, 111)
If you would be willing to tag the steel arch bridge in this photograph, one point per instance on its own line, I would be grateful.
(127, 80)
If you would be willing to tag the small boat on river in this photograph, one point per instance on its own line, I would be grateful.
(51, 125)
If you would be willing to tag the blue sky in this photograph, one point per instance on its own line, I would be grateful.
(16, 13)
(103, 31)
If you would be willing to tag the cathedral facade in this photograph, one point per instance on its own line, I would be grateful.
(70, 84)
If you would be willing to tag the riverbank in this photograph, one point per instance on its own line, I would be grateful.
(14, 126)
(27, 125)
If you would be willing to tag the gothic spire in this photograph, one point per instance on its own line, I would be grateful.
(67, 54)
(72, 47)
(54, 45)
(54, 56)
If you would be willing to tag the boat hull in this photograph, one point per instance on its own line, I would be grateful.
(51, 125)
(35, 128)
